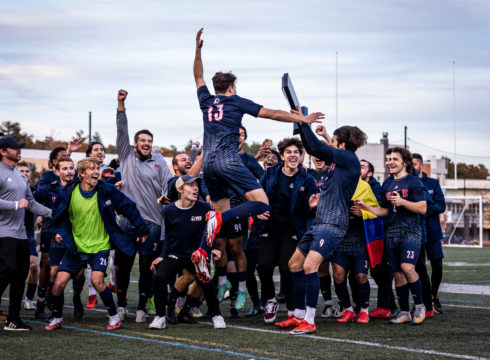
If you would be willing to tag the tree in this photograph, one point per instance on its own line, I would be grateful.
(252, 149)
(80, 135)
(13, 129)
(467, 171)
(96, 137)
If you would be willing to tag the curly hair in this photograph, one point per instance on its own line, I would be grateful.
(284, 143)
(406, 157)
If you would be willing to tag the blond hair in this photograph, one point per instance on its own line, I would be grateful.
(84, 164)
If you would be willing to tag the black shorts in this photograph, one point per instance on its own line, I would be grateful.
(171, 266)
(278, 247)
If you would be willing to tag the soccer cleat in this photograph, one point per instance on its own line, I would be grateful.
(77, 307)
(256, 310)
(28, 304)
(196, 312)
(170, 315)
(339, 312)
(159, 322)
(92, 301)
(186, 318)
(240, 299)
(213, 226)
(114, 322)
(429, 314)
(363, 318)
(39, 312)
(122, 312)
(150, 307)
(112, 287)
(328, 311)
(380, 313)
(395, 312)
(303, 328)
(140, 316)
(219, 322)
(348, 316)
(54, 323)
(437, 306)
(200, 260)
(281, 298)
(418, 314)
(16, 326)
(222, 289)
(271, 311)
(403, 317)
(289, 322)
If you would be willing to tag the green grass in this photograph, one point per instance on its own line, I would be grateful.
(464, 329)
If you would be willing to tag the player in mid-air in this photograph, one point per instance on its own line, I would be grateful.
(222, 167)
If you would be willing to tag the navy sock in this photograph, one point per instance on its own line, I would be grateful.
(31, 290)
(248, 208)
(58, 302)
(402, 294)
(364, 290)
(174, 294)
(190, 302)
(108, 300)
(343, 293)
(241, 276)
(50, 290)
(416, 290)
(326, 287)
(220, 271)
(299, 289)
(312, 288)
(41, 292)
(78, 286)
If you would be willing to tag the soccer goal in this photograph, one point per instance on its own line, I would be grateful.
(463, 221)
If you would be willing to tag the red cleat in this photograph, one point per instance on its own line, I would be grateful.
(213, 226)
(54, 324)
(429, 314)
(92, 301)
(112, 288)
(363, 318)
(348, 316)
(289, 322)
(114, 323)
(303, 328)
(380, 313)
(200, 261)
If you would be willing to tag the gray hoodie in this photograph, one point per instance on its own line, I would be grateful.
(14, 187)
(144, 181)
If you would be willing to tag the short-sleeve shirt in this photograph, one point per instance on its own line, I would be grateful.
(222, 117)
(410, 188)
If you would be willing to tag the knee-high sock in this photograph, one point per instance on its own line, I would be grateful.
(343, 293)
(363, 290)
(436, 275)
(326, 288)
(416, 290)
(299, 289)
(108, 301)
(402, 294)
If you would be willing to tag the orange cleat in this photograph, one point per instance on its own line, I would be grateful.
(112, 287)
(92, 301)
(363, 318)
(304, 328)
(429, 314)
(380, 313)
(200, 261)
(348, 316)
(289, 322)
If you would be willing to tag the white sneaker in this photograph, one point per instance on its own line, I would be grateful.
(122, 312)
(114, 322)
(271, 311)
(29, 305)
(158, 322)
(219, 322)
(140, 316)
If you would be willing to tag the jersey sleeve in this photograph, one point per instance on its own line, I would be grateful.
(384, 203)
(418, 190)
(204, 96)
(248, 106)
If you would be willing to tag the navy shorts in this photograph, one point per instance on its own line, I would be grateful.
(152, 244)
(45, 242)
(33, 247)
(434, 250)
(72, 263)
(353, 260)
(221, 176)
(322, 238)
(55, 255)
(403, 246)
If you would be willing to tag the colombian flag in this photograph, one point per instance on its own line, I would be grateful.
(373, 225)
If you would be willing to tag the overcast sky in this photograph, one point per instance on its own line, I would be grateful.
(61, 59)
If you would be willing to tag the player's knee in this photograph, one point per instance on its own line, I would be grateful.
(361, 278)
(294, 265)
(407, 268)
(310, 267)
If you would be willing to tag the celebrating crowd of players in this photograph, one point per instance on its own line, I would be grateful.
(221, 206)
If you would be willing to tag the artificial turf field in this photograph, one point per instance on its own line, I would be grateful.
(462, 332)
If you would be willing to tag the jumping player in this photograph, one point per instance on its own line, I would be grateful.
(223, 169)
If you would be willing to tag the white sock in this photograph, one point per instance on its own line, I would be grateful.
(112, 268)
(91, 289)
(366, 310)
(222, 280)
(242, 286)
(272, 300)
(290, 313)
(349, 309)
(329, 303)
(310, 315)
(299, 313)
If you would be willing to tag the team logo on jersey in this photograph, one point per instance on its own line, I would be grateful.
(302, 188)
(196, 218)
(108, 203)
(157, 166)
(9, 179)
(431, 192)
(291, 185)
(216, 100)
(404, 194)
(53, 198)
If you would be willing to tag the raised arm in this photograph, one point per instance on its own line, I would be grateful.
(284, 116)
(313, 146)
(198, 68)
(321, 131)
(122, 137)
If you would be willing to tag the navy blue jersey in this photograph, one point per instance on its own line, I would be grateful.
(343, 176)
(409, 188)
(281, 198)
(319, 176)
(252, 164)
(182, 229)
(222, 117)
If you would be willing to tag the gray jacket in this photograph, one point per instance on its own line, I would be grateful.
(14, 187)
(144, 181)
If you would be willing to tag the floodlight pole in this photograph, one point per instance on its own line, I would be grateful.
(454, 121)
(89, 127)
(336, 90)
(405, 143)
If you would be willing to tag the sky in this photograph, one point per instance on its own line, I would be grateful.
(394, 66)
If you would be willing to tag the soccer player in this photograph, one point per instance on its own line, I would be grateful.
(332, 215)
(433, 228)
(182, 165)
(403, 205)
(15, 197)
(145, 181)
(223, 169)
(183, 224)
(84, 217)
(288, 188)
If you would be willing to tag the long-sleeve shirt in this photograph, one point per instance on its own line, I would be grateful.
(144, 180)
(14, 187)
